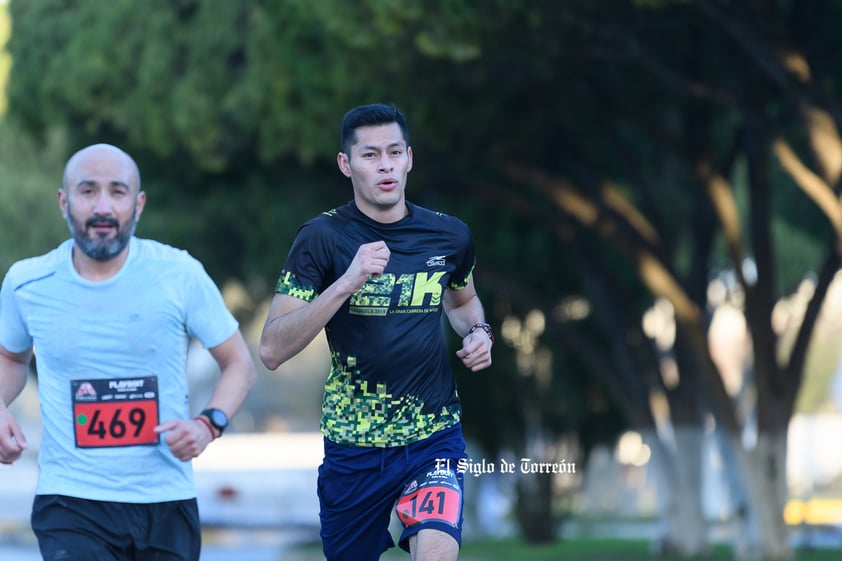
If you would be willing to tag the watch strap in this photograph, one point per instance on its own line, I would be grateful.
(208, 424)
(210, 415)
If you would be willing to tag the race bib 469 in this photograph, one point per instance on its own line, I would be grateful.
(118, 412)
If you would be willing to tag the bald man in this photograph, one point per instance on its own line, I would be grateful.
(110, 316)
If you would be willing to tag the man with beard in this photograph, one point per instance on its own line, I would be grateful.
(109, 316)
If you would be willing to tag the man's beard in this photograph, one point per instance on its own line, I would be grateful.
(97, 248)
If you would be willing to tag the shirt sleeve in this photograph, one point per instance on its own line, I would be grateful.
(207, 319)
(14, 333)
(466, 260)
(307, 270)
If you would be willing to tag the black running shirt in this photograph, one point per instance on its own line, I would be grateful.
(390, 383)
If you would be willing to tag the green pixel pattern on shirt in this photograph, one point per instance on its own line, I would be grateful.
(353, 414)
(288, 284)
(459, 285)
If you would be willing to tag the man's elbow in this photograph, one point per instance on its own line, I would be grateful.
(269, 357)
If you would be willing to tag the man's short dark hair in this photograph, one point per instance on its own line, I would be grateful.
(369, 116)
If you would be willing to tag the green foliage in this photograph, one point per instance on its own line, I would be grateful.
(5, 59)
(217, 81)
(241, 227)
(29, 213)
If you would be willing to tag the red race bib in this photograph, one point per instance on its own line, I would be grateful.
(435, 496)
(118, 412)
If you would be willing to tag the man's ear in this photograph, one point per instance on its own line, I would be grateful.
(344, 163)
(62, 202)
(140, 203)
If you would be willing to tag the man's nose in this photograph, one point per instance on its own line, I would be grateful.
(385, 163)
(102, 204)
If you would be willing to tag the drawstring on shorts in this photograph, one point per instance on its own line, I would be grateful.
(383, 457)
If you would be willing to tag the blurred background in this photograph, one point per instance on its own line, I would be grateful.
(654, 192)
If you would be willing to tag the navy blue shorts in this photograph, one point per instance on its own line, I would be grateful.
(73, 529)
(359, 487)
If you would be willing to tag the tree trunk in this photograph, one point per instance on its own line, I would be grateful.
(685, 529)
(535, 512)
(763, 471)
(744, 530)
(536, 518)
(770, 491)
(689, 444)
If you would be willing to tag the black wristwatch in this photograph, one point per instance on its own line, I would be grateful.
(217, 418)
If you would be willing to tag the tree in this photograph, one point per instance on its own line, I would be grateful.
(759, 101)
(727, 129)
(5, 60)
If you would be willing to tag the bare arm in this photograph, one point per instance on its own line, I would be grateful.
(464, 309)
(292, 323)
(188, 438)
(237, 374)
(14, 368)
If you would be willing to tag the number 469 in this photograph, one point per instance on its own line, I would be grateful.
(116, 426)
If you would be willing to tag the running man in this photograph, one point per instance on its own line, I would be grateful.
(109, 317)
(376, 275)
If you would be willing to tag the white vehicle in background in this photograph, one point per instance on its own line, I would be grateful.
(260, 481)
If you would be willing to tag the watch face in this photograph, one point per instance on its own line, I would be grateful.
(217, 418)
